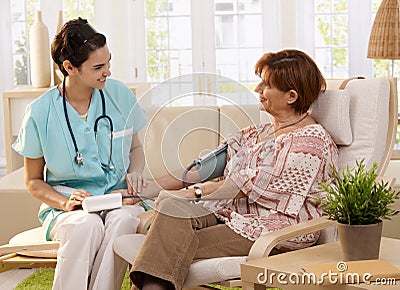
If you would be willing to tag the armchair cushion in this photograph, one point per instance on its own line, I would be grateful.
(201, 272)
(32, 236)
(332, 110)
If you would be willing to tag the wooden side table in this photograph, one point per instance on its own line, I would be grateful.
(256, 271)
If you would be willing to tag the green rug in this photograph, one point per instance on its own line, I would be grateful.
(42, 279)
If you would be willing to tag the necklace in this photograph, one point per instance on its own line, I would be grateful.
(268, 134)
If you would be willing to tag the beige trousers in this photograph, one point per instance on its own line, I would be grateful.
(181, 233)
(85, 259)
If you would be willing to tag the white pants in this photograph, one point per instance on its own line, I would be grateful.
(85, 259)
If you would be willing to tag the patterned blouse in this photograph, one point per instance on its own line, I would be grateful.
(280, 179)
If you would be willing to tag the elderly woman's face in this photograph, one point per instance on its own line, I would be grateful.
(271, 98)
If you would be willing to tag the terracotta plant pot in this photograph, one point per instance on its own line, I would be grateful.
(360, 242)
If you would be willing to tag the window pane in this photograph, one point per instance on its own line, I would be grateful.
(180, 33)
(331, 37)
(324, 60)
(323, 31)
(157, 65)
(227, 63)
(247, 25)
(157, 33)
(18, 11)
(156, 7)
(226, 31)
(180, 62)
(237, 47)
(82, 8)
(249, 6)
(340, 63)
(248, 59)
(225, 6)
(339, 25)
(178, 7)
(322, 6)
(168, 39)
(339, 5)
(20, 69)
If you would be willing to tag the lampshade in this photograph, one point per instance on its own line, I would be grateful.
(384, 41)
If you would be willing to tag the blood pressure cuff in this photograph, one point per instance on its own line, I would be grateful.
(210, 168)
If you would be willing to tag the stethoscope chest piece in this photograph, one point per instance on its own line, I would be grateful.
(79, 158)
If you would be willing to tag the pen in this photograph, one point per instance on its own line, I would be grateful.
(137, 196)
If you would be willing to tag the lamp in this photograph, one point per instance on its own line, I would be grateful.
(384, 40)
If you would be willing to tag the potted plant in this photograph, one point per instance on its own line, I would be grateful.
(359, 204)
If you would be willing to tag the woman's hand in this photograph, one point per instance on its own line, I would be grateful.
(126, 201)
(75, 200)
(183, 193)
(135, 183)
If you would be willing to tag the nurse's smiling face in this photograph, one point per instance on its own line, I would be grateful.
(95, 70)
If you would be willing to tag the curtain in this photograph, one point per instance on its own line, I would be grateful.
(6, 80)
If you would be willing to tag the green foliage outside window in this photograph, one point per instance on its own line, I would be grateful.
(21, 65)
(82, 8)
(157, 40)
(331, 23)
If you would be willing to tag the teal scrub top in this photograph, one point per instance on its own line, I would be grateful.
(44, 133)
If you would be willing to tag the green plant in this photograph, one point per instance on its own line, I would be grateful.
(354, 197)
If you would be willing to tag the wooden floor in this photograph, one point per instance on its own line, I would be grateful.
(10, 279)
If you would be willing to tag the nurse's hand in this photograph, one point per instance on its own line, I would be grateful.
(135, 182)
(75, 200)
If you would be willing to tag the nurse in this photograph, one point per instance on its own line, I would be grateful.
(79, 139)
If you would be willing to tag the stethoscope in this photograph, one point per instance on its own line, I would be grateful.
(79, 157)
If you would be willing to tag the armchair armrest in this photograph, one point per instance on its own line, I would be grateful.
(264, 244)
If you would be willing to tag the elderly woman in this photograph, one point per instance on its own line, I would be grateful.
(271, 181)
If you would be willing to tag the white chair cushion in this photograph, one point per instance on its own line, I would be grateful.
(33, 236)
(332, 110)
(369, 109)
(201, 272)
(214, 270)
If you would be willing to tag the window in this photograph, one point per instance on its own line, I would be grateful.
(22, 18)
(237, 46)
(331, 37)
(168, 39)
(331, 20)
